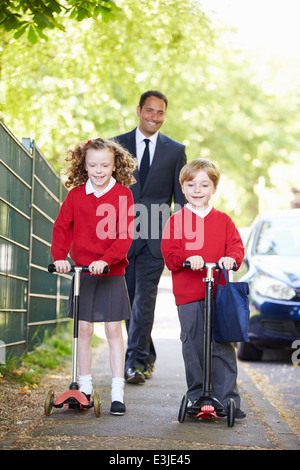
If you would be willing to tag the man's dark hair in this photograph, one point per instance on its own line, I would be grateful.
(155, 93)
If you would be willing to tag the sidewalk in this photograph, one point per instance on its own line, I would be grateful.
(152, 408)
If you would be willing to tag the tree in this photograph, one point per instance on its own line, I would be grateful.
(86, 81)
(36, 16)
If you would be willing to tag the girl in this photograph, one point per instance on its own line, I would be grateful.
(95, 227)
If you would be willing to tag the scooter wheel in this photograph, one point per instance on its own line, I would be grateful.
(182, 409)
(49, 402)
(230, 412)
(97, 404)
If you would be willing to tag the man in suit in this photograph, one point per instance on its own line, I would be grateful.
(160, 160)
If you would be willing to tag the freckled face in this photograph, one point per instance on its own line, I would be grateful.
(99, 165)
(199, 190)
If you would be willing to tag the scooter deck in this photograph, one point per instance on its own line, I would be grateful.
(72, 397)
(207, 407)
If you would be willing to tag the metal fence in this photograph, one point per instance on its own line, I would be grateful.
(31, 299)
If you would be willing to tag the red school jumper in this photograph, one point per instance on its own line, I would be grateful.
(93, 229)
(217, 236)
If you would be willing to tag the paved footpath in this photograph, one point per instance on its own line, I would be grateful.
(152, 409)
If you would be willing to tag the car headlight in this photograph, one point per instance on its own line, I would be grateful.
(270, 287)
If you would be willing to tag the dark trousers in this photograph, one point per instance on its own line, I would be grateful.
(224, 364)
(142, 276)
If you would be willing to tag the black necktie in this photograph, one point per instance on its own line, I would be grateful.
(144, 167)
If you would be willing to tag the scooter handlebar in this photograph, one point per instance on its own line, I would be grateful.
(84, 269)
(187, 265)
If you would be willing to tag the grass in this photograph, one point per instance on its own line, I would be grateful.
(53, 354)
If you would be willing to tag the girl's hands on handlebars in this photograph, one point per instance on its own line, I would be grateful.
(97, 267)
(62, 266)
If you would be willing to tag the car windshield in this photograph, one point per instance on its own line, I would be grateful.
(279, 236)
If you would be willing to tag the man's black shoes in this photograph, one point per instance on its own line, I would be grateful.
(134, 376)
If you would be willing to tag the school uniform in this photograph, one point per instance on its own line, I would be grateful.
(212, 235)
(90, 227)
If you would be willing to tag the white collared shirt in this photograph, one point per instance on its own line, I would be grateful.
(140, 145)
(199, 212)
(89, 188)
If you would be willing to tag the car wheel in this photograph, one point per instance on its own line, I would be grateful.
(248, 352)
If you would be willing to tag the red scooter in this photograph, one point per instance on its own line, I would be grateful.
(207, 406)
(73, 398)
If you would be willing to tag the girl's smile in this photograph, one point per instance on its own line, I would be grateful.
(99, 165)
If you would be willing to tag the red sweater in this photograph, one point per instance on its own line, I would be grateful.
(93, 229)
(217, 236)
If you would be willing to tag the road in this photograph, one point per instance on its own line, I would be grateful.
(279, 380)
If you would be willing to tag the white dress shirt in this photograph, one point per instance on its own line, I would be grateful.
(140, 145)
(89, 188)
(199, 212)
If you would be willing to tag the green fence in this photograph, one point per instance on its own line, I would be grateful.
(31, 299)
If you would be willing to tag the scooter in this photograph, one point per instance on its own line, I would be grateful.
(207, 406)
(73, 398)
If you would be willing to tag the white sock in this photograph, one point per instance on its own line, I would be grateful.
(117, 389)
(85, 384)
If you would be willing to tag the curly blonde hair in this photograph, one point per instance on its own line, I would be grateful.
(125, 163)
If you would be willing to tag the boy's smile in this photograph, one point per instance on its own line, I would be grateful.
(199, 190)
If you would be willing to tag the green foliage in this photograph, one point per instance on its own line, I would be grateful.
(86, 82)
(53, 354)
(35, 16)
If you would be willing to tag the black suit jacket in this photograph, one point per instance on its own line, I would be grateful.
(152, 203)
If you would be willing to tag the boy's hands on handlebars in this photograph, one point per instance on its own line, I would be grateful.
(197, 262)
(62, 266)
(97, 267)
(226, 262)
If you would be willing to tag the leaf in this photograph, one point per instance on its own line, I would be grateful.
(11, 22)
(55, 6)
(42, 21)
(21, 31)
(17, 372)
(82, 14)
(25, 390)
(32, 37)
(41, 34)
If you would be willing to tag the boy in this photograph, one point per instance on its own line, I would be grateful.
(199, 233)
